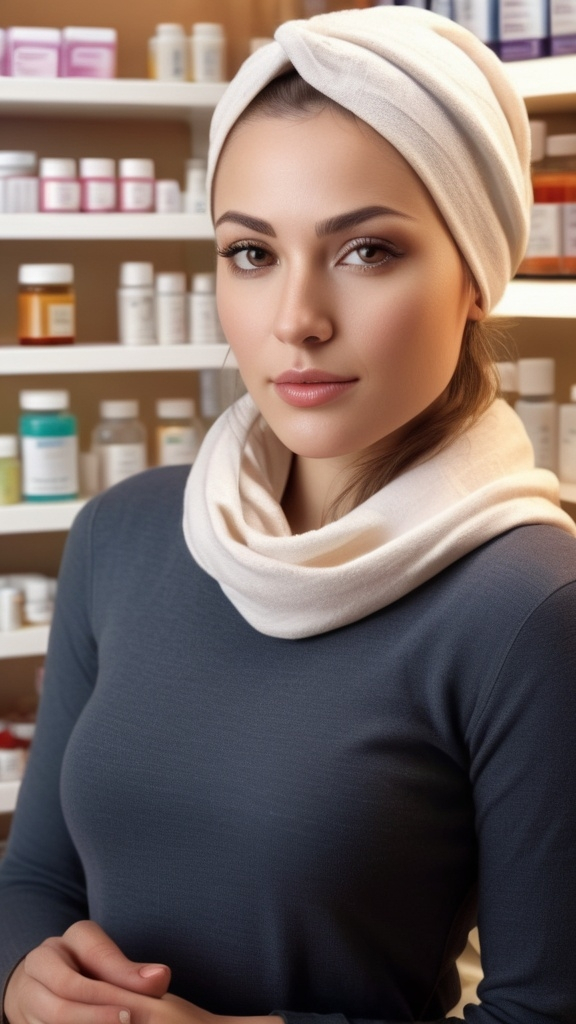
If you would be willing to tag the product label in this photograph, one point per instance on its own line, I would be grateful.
(60, 320)
(563, 17)
(177, 445)
(60, 196)
(545, 230)
(170, 319)
(46, 317)
(479, 17)
(94, 61)
(136, 317)
(34, 61)
(119, 461)
(99, 195)
(205, 326)
(569, 225)
(136, 195)
(49, 467)
(522, 19)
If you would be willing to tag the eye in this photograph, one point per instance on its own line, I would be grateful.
(369, 252)
(246, 257)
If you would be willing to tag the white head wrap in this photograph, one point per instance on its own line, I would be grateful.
(438, 95)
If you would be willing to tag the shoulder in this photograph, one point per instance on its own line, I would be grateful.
(152, 495)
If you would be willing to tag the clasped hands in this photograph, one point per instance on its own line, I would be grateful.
(84, 978)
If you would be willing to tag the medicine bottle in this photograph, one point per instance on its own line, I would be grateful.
(98, 185)
(59, 186)
(538, 410)
(46, 304)
(170, 309)
(567, 439)
(553, 224)
(203, 321)
(48, 446)
(167, 196)
(195, 198)
(119, 442)
(136, 186)
(9, 470)
(167, 54)
(18, 183)
(179, 433)
(207, 52)
(544, 238)
(136, 304)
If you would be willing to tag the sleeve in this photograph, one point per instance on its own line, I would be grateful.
(42, 887)
(522, 744)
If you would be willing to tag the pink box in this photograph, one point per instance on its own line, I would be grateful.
(32, 52)
(89, 52)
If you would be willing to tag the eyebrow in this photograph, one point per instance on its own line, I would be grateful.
(331, 226)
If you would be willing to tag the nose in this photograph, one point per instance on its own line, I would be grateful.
(303, 314)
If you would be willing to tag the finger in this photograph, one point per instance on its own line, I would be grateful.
(99, 956)
(51, 966)
(30, 1002)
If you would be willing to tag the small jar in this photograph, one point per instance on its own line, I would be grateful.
(207, 52)
(46, 304)
(59, 186)
(119, 442)
(49, 446)
(179, 433)
(136, 186)
(168, 198)
(136, 304)
(97, 185)
(18, 184)
(203, 321)
(167, 53)
(9, 470)
(195, 198)
(10, 609)
(170, 309)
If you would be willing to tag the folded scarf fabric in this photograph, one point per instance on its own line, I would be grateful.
(480, 485)
(434, 91)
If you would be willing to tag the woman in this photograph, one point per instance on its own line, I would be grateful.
(295, 742)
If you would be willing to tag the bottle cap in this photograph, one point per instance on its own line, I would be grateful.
(536, 377)
(169, 29)
(12, 162)
(136, 275)
(97, 167)
(561, 145)
(175, 408)
(203, 283)
(44, 401)
(136, 168)
(82, 34)
(208, 28)
(55, 167)
(120, 409)
(538, 131)
(171, 284)
(8, 446)
(45, 273)
(27, 33)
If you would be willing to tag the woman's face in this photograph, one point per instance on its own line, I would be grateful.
(340, 290)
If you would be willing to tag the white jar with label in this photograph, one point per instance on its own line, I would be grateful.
(195, 197)
(538, 410)
(207, 52)
(179, 432)
(49, 446)
(136, 186)
(136, 304)
(170, 309)
(119, 442)
(59, 186)
(167, 53)
(203, 321)
(98, 184)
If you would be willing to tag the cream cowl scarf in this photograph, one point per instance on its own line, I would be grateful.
(480, 485)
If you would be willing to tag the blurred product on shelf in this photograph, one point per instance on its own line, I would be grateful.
(18, 182)
(32, 52)
(170, 308)
(195, 198)
(508, 376)
(88, 52)
(522, 29)
(567, 439)
(179, 432)
(562, 27)
(97, 185)
(71, 52)
(48, 446)
(16, 735)
(167, 196)
(10, 485)
(46, 304)
(207, 52)
(136, 185)
(203, 321)
(119, 442)
(59, 186)
(167, 53)
(538, 410)
(136, 304)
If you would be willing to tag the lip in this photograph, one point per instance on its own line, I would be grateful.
(306, 389)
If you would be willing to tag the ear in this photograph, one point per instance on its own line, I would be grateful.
(475, 311)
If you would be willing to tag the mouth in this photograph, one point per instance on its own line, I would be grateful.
(312, 387)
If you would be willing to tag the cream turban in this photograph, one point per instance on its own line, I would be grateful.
(434, 91)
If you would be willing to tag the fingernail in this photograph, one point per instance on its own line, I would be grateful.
(151, 971)
(124, 1016)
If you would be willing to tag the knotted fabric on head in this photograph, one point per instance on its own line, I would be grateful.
(438, 95)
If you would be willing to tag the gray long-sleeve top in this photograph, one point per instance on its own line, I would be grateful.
(306, 826)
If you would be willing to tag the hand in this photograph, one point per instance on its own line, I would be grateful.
(81, 978)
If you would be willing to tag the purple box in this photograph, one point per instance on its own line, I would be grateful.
(89, 52)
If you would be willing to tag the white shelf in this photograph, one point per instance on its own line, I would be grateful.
(547, 84)
(109, 98)
(8, 796)
(39, 517)
(109, 226)
(104, 357)
(25, 642)
(529, 297)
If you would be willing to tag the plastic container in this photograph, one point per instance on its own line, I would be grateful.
(49, 446)
(167, 196)
(567, 439)
(9, 470)
(46, 304)
(88, 52)
(167, 54)
(98, 193)
(136, 186)
(207, 52)
(10, 609)
(195, 196)
(59, 186)
(179, 433)
(203, 322)
(18, 182)
(32, 52)
(119, 442)
(170, 309)
(480, 17)
(538, 410)
(136, 304)
(522, 29)
(562, 27)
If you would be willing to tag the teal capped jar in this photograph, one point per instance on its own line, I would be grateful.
(48, 446)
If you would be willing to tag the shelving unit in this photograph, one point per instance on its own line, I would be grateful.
(104, 226)
(111, 357)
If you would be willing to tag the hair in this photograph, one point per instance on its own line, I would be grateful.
(474, 384)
